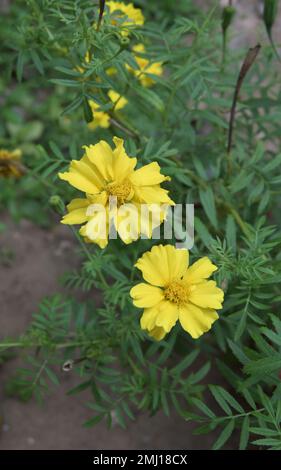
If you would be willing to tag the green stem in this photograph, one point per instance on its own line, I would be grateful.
(89, 256)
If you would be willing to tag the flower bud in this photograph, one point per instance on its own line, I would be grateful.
(124, 42)
(270, 13)
(57, 204)
(227, 17)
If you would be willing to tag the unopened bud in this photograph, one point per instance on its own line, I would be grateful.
(57, 204)
(124, 42)
(270, 13)
(227, 17)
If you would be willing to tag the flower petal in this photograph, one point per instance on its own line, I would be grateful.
(118, 100)
(157, 333)
(201, 269)
(168, 315)
(163, 264)
(77, 203)
(207, 295)
(145, 295)
(123, 165)
(101, 156)
(77, 216)
(148, 175)
(152, 195)
(196, 321)
(80, 176)
(148, 318)
(96, 230)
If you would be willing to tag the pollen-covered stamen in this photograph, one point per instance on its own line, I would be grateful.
(177, 292)
(122, 191)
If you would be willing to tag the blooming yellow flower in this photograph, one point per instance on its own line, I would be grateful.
(102, 118)
(130, 15)
(103, 173)
(145, 67)
(10, 163)
(118, 100)
(175, 291)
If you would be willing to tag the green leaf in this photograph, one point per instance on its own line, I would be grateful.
(231, 233)
(242, 180)
(203, 407)
(79, 388)
(151, 98)
(225, 435)
(263, 366)
(88, 112)
(37, 61)
(52, 376)
(203, 232)
(208, 202)
(20, 64)
(244, 436)
(93, 421)
(267, 442)
(219, 397)
(185, 363)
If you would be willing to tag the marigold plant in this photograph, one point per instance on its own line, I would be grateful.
(151, 130)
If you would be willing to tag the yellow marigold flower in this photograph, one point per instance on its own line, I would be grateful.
(175, 291)
(10, 163)
(145, 67)
(102, 118)
(104, 172)
(132, 16)
(118, 100)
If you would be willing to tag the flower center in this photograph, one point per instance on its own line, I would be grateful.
(177, 292)
(122, 191)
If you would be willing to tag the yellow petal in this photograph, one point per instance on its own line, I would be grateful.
(133, 15)
(148, 318)
(77, 203)
(151, 266)
(168, 315)
(148, 175)
(153, 69)
(201, 269)
(123, 165)
(77, 216)
(101, 119)
(96, 229)
(207, 295)
(126, 222)
(145, 295)
(118, 100)
(101, 155)
(195, 320)
(100, 198)
(177, 259)
(163, 264)
(152, 195)
(81, 177)
(157, 333)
